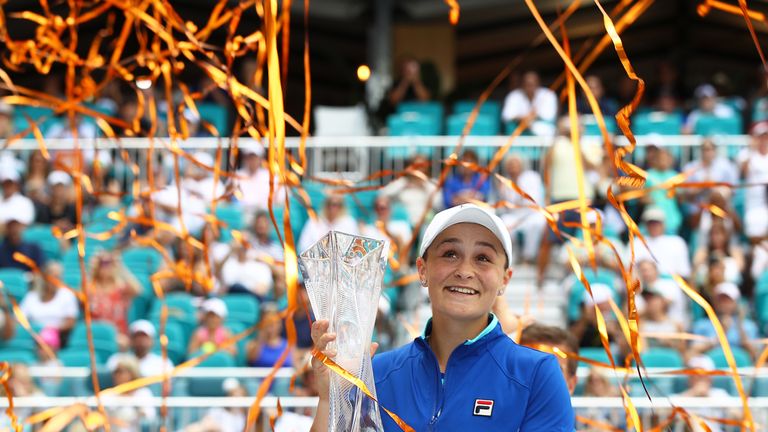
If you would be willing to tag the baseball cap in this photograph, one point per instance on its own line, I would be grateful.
(230, 384)
(729, 289)
(467, 213)
(142, 326)
(215, 305)
(59, 177)
(705, 90)
(601, 293)
(204, 158)
(5, 109)
(257, 150)
(760, 128)
(9, 173)
(654, 214)
(701, 362)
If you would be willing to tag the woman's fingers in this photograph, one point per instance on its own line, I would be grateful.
(319, 328)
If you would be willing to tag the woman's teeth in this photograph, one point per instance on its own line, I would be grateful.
(469, 291)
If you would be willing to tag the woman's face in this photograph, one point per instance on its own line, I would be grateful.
(718, 238)
(465, 272)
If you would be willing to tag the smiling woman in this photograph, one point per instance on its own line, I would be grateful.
(463, 371)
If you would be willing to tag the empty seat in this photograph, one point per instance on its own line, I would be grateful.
(15, 283)
(242, 308)
(104, 338)
(43, 237)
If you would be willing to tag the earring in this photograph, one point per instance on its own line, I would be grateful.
(500, 292)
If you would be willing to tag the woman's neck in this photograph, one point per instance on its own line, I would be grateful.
(447, 334)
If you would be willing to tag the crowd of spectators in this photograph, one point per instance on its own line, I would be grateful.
(714, 236)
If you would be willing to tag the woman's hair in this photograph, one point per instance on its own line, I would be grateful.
(128, 363)
(726, 234)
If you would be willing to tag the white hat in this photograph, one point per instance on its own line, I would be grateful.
(6, 109)
(59, 177)
(142, 326)
(9, 173)
(257, 150)
(593, 214)
(760, 128)
(728, 288)
(701, 362)
(215, 305)
(467, 213)
(654, 214)
(601, 293)
(705, 90)
(230, 384)
(204, 158)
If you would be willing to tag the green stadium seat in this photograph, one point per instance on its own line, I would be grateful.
(104, 338)
(14, 283)
(43, 237)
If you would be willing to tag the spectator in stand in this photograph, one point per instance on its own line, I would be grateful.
(708, 105)
(740, 330)
(414, 83)
(143, 334)
(16, 213)
(36, 176)
(59, 207)
(585, 329)
(759, 260)
(49, 304)
(199, 180)
(720, 245)
(302, 320)
(598, 385)
(6, 320)
(113, 288)
(396, 233)
(269, 345)
(242, 272)
(754, 171)
(655, 319)
(704, 217)
(608, 106)
(191, 271)
(262, 243)
(6, 121)
(333, 217)
(415, 190)
(47, 357)
(21, 384)
(516, 215)
(701, 386)
(212, 333)
(129, 417)
(253, 179)
(220, 419)
(559, 168)
(669, 250)
(466, 184)
(532, 103)
(650, 279)
(661, 170)
(709, 167)
(604, 255)
(547, 338)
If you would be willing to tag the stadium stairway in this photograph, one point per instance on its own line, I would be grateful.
(547, 305)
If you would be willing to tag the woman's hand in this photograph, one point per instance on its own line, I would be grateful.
(321, 338)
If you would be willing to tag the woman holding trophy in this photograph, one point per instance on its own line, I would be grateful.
(464, 371)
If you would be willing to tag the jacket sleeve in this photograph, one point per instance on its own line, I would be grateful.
(549, 408)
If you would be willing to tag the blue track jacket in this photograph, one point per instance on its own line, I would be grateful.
(490, 384)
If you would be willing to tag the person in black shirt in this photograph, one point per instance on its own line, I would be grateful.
(59, 210)
(13, 242)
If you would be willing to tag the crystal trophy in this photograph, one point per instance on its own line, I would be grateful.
(343, 274)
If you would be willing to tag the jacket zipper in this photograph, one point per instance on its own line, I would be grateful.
(439, 400)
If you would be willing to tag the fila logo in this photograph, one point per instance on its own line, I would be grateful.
(483, 407)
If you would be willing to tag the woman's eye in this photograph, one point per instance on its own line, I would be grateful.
(449, 254)
(484, 258)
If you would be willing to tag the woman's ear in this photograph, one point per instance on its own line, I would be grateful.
(421, 267)
(507, 277)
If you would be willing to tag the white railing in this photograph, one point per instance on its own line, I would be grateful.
(357, 157)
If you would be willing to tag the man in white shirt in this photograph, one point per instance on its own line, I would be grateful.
(242, 273)
(398, 231)
(532, 101)
(668, 250)
(648, 274)
(515, 214)
(142, 339)
(710, 167)
(14, 205)
(333, 217)
(754, 170)
(199, 181)
(708, 105)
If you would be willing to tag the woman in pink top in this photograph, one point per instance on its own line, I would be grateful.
(212, 334)
(111, 292)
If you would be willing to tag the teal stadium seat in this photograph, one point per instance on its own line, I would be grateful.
(707, 125)
(658, 358)
(484, 125)
(15, 283)
(75, 357)
(578, 290)
(530, 153)
(232, 216)
(180, 310)
(216, 115)
(104, 338)
(657, 122)
(432, 109)
(489, 107)
(22, 340)
(411, 124)
(210, 387)
(42, 235)
(591, 128)
(242, 308)
(15, 356)
(37, 114)
(177, 342)
(718, 358)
